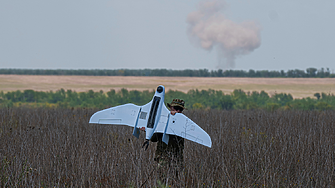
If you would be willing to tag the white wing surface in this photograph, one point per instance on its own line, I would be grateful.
(183, 126)
(144, 115)
(123, 115)
(163, 119)
(119, 115)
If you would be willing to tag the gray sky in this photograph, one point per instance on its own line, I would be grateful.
(137, 34)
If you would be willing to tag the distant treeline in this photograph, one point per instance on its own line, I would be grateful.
(309, 73)
(195, 99)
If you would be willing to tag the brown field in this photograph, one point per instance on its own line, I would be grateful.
(298, 87)
(58, 148)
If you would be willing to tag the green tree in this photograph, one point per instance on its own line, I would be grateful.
(311, 72)
(29, 96)
(323, 106)
(317, 95)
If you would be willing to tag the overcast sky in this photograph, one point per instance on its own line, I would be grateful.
(173, 34)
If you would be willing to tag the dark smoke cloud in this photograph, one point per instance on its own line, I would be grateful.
(212, 29)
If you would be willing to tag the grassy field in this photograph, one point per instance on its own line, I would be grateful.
(58, 148)
(298, 87)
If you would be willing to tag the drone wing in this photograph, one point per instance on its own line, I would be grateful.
(126, 114)
(131, 115)
(183, 126)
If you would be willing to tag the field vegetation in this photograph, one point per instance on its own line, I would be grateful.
(297, 87)
(296, 73)
(56, 147)
(196, 99)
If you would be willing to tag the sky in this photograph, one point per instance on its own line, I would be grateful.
(173, 34)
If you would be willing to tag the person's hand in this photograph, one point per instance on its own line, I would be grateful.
(173, 112)
(142, 128)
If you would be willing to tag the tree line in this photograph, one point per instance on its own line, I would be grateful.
(195, 99)
(296, 73)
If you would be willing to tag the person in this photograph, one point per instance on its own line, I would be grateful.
(171, 154)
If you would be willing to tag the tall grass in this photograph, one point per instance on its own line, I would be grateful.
(42, 147)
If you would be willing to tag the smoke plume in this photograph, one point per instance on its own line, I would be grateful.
(211, 29)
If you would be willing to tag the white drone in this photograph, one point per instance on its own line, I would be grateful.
(156, 118)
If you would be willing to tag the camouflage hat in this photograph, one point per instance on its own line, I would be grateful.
(177, 102)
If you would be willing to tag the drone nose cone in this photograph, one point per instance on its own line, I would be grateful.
(160, 89)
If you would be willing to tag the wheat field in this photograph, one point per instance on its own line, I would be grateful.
(42, 147)
(297, 87)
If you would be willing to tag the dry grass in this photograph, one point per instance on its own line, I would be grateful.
(298, 87)
(55, 147)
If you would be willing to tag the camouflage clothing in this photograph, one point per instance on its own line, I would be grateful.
(171, 154)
